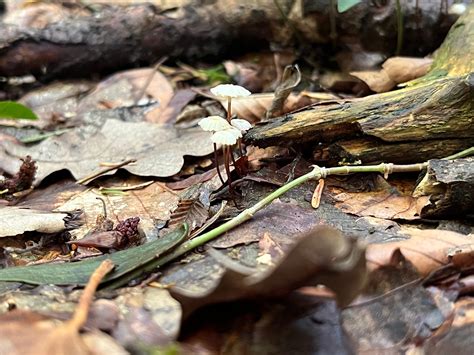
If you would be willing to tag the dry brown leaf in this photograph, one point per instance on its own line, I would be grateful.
(381, 204)
(55, 103)
(268, 246)
(175, 105)
(395, 70)
(403, 69)
(122, 90)
(427, 250)
(15, 221)
(305, 322)
(192, 180)
(192, 211)
(405, 313)
(52, 196)
(258, 71)
(29, 333)
(254, 107)
(154, 202)
(318, 191)
(290, 79)
(456, 337)
(378, 81)
(321, 256)
(279, 219)
(256, 155)
(158, 150)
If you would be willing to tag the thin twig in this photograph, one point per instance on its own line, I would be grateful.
(104, 206)
(86, 179)
(82, 309)
(148, 82)
(398, 7)
(127, 188)
(463, 154)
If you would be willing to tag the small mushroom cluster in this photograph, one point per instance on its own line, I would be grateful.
(226, 131)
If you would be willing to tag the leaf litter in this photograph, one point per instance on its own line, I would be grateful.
(109, 114)
(158, 150)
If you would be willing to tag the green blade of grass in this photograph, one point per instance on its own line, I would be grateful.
(132, 260)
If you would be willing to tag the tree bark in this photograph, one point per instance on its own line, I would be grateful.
(450, 185)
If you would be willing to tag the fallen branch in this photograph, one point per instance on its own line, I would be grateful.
(112, 37)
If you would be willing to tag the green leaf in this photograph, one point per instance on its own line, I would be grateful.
(215, 75)
(344, 5)
(77, 273)
(14, 110)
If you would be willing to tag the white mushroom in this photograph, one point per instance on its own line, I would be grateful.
(230, 90)
(214, 124)
(242, 125)
(227, 136)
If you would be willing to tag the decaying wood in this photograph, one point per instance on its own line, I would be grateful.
(373, 151)
(450, 184)
(434, 111)
(113, 37)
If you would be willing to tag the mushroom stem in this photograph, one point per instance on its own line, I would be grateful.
(229, 108)
(217, 164)
(232, 156)
(241, 151)
(227, 167)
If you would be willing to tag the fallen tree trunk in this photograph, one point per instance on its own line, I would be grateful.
(393, 126)
(118, 36)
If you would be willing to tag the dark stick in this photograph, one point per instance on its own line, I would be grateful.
(217, 164)
(227, 167)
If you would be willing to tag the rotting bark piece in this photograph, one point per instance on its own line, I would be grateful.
(369, 151)
(441, 109)
(451, 186)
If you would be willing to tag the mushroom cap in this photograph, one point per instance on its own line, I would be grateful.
(242, 125)
(214, 123)
(227, 136)
(230, 90)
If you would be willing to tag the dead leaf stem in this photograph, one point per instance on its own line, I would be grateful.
(82, 310)
(87, 179)
(150, 78)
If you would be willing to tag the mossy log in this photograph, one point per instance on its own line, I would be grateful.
(437, 110)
